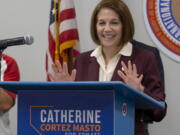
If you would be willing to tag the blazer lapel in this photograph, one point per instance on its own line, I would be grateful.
(115, 76)
(93, 70)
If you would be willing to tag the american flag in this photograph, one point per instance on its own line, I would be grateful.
(62, 33)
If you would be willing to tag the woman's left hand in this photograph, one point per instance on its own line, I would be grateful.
(130, 76)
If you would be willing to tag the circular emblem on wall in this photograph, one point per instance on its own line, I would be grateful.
(162, 18)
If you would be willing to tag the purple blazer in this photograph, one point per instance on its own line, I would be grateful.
(147, 63)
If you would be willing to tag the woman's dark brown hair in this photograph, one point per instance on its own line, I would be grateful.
(124, 15)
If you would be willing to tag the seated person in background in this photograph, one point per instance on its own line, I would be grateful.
(119, 58)
(9, 72)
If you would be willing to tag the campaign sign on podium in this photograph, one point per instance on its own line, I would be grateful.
(63, 113)
(77, 108)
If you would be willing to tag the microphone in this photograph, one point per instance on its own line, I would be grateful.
(28, 40)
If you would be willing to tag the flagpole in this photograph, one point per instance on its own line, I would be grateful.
(70, 60)
(56, 20)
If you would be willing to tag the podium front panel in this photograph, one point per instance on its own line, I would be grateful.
(69, 112)
(101, 108)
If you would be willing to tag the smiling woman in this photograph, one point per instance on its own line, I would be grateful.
(112, 29)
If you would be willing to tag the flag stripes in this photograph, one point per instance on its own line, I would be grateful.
(62, 33)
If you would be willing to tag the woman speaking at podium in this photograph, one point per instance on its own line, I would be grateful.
(118, 57)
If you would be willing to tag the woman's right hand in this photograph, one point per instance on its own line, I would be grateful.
(61, 72)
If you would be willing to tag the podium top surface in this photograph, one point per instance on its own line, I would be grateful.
(141, 100)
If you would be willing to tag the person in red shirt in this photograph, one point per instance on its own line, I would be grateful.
(9, 72)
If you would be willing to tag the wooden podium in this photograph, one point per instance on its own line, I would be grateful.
(78, 108)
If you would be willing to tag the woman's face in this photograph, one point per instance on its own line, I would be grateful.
(109, 28)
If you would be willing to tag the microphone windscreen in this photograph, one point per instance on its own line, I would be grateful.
(28, 39)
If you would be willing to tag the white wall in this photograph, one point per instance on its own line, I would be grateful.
(21, 17)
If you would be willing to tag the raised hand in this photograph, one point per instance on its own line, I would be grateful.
(130, 76)
(61, 72)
